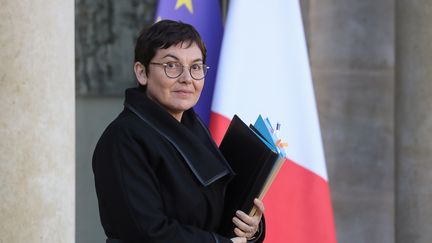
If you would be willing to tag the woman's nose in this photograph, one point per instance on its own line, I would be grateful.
(186, 76)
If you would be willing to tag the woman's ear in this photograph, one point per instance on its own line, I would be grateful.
(140, 73)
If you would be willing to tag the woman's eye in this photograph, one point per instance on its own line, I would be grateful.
(196, 67)
(173, 65)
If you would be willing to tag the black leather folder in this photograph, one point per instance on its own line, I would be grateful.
(255, 164)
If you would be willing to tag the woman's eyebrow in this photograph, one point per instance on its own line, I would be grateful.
(172, 56)
(176, 58)
(198, 60)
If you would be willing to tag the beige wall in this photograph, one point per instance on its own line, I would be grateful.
(37, 129)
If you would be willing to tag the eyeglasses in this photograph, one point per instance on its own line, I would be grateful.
(175, 69)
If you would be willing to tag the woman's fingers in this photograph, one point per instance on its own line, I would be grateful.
(248, 220)
(254, 220)
(244, 226)
(259, 206)
(247, 226)
(240, 232)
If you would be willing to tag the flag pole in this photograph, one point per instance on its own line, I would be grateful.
(224, 8)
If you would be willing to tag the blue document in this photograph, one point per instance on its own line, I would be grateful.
(262, 128)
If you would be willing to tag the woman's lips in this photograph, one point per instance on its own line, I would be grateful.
(183, 92)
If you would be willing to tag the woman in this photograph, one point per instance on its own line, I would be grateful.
(159, 176)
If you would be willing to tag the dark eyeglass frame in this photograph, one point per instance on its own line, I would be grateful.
(165, 65)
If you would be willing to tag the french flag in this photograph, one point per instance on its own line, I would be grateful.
(264, 69)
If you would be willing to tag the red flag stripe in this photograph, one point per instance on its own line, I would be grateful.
(218, 126)
(298, 207)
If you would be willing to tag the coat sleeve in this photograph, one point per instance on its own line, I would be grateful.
(130, 205)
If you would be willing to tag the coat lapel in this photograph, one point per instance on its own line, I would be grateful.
(188, 137)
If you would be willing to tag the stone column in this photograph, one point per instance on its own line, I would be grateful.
(413, 121)
(37, 121)
(352, 58)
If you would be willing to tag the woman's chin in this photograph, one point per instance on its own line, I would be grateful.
(183, 104)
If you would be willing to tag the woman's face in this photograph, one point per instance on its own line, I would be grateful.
(179, 94)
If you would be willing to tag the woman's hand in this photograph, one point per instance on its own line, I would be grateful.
(247, 226)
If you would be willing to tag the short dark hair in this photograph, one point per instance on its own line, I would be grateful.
(162, 35)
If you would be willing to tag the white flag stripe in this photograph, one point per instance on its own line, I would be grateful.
(261, 72)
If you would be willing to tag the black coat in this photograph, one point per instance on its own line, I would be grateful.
(157, 179)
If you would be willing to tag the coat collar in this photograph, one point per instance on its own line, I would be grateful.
(190, 138)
